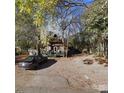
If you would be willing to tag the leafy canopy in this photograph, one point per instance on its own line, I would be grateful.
(36, 8)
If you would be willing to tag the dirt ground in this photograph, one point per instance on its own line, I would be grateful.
(64, 75)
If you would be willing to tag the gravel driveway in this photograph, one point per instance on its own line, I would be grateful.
(63, 75)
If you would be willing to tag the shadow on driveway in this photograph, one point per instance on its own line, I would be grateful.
(47, 64)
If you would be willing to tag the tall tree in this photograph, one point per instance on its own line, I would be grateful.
(36, 11)
(95, 21)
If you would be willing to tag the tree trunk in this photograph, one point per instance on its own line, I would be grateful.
(67, 46)
(63, 43)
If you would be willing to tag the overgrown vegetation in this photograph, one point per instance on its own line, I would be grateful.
(94, 37)
(32, 17)
(90, 34)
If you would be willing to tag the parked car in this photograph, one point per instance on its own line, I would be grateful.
(32, 62)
